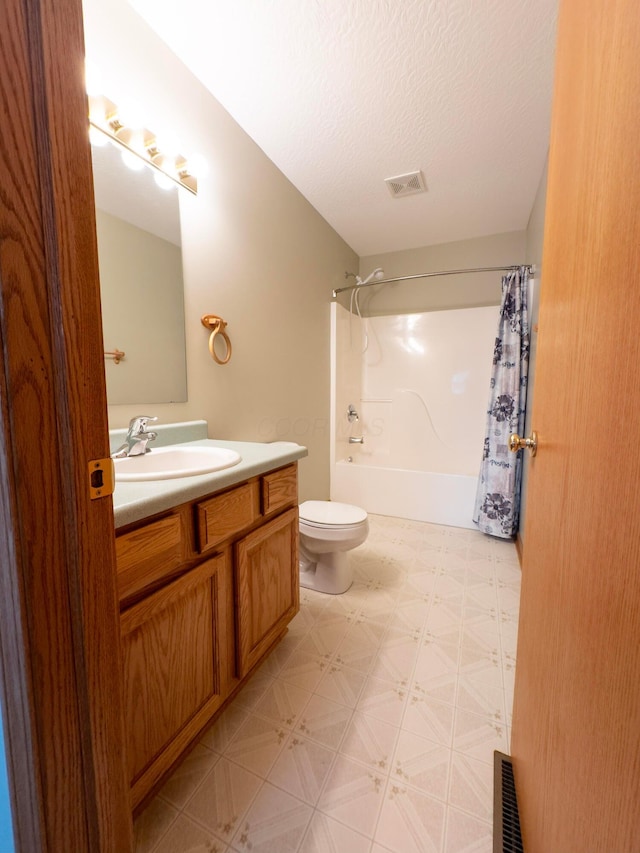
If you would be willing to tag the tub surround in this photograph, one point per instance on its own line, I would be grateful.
(138, 500)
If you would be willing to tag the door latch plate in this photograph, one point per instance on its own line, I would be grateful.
(102, 478)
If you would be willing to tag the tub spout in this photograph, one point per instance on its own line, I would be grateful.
(353, 439)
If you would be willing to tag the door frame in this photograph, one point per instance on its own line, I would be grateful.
(60, 680)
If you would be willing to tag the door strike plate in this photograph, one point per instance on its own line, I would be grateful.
(102, 478)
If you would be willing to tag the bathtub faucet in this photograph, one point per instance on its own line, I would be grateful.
(352, 415)
(356, 439)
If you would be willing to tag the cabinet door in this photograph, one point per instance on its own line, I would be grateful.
(171, 660)
(267, 586)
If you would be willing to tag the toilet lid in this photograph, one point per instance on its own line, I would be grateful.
(331, 513)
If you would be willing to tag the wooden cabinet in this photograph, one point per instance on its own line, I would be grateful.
(267, 586)
(205, 591)
(171, 661)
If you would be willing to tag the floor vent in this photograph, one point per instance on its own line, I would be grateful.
(506, 820)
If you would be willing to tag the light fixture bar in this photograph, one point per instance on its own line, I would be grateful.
(103, 116)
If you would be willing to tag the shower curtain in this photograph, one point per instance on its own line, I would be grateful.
(497, 508)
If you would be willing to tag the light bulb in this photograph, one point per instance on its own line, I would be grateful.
(163, 181)
(130, 114)
(132, 161)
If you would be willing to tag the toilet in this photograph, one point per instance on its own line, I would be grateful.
(328, 530)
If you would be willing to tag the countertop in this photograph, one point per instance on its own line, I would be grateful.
(135, 501)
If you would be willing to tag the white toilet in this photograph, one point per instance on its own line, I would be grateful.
(327, 531)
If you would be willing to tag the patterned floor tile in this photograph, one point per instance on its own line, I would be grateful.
(152, 824)
(326, 835)
(253, 691)
(422, 764)
(275, 823)
(434, 660)
(223, 798)
(352, 795)
(302, 768)
(303, 670)
(370, 741)
(478, 737)
(218, 736)
(384, 700)
(188, 775)
(429, 718)
(396, 659)
(257, 744)
(472, 786)
(467, 834)
(187, 837)
(283, 703)
(323, 639)
(380, 707)
(324, 721)
(341, 684)
(410, 821)
(481, 698)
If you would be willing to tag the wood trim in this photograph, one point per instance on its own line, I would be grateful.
(61, 668)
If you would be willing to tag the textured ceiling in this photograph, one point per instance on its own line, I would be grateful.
(342, 94)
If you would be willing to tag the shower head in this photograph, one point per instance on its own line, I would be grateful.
(377, 274)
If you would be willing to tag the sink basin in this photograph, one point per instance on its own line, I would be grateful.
(165, 463)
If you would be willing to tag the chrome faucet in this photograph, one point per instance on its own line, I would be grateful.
(137, 438)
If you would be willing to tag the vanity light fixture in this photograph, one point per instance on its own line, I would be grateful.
(106, 122)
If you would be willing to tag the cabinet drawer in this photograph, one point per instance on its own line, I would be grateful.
(147, 554)
(226, 514)
(279, 489)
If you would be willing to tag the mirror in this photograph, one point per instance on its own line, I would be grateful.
(140, 261)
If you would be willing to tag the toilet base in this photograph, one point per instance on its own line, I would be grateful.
(332, 573)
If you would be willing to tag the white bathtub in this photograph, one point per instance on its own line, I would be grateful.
(418, 495)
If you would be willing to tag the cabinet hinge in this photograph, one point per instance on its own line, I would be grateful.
(102, 478)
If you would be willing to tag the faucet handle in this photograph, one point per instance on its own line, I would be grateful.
(138, 425)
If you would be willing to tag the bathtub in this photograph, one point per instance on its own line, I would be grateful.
(417, 495)
(419, 385)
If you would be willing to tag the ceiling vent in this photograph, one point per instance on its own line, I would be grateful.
(408, 184)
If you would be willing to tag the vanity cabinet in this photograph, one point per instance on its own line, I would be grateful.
(267, 583)
(205, 590)
(171, 661)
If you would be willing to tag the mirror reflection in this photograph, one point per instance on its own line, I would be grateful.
(140, 261)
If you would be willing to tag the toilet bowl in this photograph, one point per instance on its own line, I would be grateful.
(328, 530)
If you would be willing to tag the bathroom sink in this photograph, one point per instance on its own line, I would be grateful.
(165, 463)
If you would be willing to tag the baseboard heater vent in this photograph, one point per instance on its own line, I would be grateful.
(506, 820)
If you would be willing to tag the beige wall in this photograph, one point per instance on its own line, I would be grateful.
(254, 251)
(432, 294)
(535, 236)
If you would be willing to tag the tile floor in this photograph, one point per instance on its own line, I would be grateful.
(371, 727)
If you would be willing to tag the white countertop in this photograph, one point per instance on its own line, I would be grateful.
(135, 501)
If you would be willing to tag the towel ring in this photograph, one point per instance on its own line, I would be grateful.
(217, 327)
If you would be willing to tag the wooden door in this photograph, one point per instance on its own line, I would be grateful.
(171, 662)
(576, 727)
(267, 588)
(59, 651)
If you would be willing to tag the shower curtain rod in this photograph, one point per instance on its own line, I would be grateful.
(529, 267)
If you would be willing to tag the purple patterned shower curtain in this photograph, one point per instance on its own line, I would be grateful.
(497, 508)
